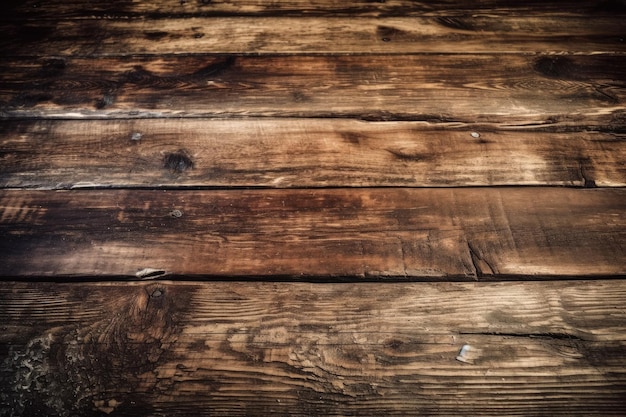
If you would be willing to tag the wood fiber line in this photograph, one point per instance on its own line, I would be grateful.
(588, 90)
(164, 348)
(283, 153)
(64, 9)
(306, 35)
(466, 233)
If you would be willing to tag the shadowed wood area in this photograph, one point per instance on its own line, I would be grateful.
(36, 9)
(315, 349)
(312, 208)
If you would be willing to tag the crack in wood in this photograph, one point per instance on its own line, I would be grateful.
(546, 335)
(481, 266)
(608, 96)
(585, 181)
(403, 252)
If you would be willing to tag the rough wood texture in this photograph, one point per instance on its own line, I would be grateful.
(305, 35)
(301, 153)
(230, 349)
(375, 233)
(382, 141)
(589, 90)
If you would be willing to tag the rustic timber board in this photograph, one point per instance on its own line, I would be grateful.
(281, 153)
(253, 35)
(166, 348)
(588, 90)
(355, 232)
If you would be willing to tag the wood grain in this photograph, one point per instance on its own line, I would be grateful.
(374, 207)
(59, 9)
(306, 35)
(282, 153)
(163, 348)
(588, 90)
(462, 233)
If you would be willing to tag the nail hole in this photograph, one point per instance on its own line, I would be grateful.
(156, 294)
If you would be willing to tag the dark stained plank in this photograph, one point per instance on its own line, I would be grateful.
(302, 35)
(590, 90)
(55, 9)
(462, 233)
(241, 348)
(301, 153)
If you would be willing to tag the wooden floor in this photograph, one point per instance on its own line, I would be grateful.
(392, 207)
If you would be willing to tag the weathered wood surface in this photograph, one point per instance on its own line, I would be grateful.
(382, 140)
(588, 90)
(163, 349)
(58, 9)
(306, 35)
(465, 233)
(282, 153)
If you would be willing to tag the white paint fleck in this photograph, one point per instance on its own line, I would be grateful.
(468, 354)
(150, 273)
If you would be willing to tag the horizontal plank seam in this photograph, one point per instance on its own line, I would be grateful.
(610, 53)
(588, 184)
(166, 277)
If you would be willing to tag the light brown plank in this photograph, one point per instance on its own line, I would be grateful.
(303, 35)
(486, 233)
(550, 348)
(475, 88)
(300, 153)
(55, 9)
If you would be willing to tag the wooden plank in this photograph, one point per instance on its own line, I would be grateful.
(476, 88)
(463, 233)
(56, 9)
(241, 348)
(306, 35)
(300, 153)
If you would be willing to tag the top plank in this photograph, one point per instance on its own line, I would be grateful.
(314, 35)
(55, 9)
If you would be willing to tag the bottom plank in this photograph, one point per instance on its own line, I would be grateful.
(242, 348)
